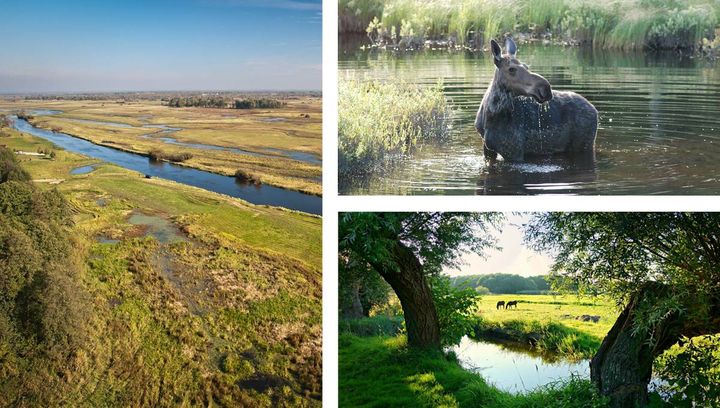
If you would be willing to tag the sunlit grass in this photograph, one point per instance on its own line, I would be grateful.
(382, 371)
(615, 24)
(236, 306)
(254, 131)
(377, 120)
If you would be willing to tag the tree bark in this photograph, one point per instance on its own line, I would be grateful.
(413, 290)
(622, 367)
(356, 310)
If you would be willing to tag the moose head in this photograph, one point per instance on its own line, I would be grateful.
(515, 77)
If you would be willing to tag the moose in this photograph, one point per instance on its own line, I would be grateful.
(520, 116)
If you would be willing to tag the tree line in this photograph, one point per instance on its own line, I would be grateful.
(221, 102)
(502, 283)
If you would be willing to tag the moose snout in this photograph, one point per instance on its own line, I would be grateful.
(545, 93)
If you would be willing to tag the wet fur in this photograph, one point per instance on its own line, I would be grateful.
(517, 126)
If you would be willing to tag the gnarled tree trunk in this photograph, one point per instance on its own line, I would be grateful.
(622, 367)
(413, 290)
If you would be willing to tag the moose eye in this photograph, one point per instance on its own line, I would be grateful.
(512, 70)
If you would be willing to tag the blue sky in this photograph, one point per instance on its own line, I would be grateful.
(82, 46)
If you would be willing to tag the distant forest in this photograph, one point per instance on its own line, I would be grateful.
(502, 283)
(221, 102)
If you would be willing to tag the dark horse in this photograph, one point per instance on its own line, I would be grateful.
(511, 304)
(520, 115)
(500, 304)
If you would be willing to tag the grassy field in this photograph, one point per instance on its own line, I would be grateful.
(551, 320)
(273, 133)
(616, 24)
(226, 314)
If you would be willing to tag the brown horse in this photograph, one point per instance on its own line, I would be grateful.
(500, 304)
(520, 115)
(511, 304)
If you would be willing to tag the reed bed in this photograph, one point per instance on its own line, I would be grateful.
(624, 24)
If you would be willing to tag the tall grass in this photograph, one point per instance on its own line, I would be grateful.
(377, 120)
(614, 24)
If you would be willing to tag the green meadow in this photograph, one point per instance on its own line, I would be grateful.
(224, 312)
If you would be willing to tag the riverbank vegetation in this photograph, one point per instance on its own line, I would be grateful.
(627, 24)
(383, 371)
(378, 121)
(280, 147)
(227, 312)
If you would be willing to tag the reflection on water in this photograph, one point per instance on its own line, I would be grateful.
(513, 369)
(659, 130)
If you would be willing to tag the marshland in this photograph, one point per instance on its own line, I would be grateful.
(648, 68)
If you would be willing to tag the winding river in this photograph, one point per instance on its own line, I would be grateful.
(262, 195)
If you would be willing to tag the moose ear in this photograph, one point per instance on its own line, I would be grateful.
(496, 52)
(510, 46)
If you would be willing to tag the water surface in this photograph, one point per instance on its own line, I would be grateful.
(265, 194)
(515, 369)
(659, 130)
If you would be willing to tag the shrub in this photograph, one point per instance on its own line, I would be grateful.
(691, 372)
(246, 177)
(456, 309)
(378, 120)
(372, 326)
(159, 155)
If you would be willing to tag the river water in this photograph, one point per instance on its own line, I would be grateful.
(515, 369)
(264, 194)
(659, 130)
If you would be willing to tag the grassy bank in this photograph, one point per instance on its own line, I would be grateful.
(549, 323)
(229, 314)
(273, 133)
(662, 24)
(382, 371)
(379, 120)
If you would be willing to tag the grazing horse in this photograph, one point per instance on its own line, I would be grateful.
(511, 304)
(500, 304)
(520, 115)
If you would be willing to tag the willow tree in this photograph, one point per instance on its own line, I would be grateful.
(406, 249)
(664, 271)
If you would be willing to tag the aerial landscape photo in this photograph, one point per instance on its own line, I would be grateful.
(160, 203)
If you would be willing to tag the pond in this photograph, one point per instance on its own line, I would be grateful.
(515, 369)
(659, 130)
(264, 194)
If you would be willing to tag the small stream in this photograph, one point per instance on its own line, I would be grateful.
(518, 369)
(515, 369)
(262, 195)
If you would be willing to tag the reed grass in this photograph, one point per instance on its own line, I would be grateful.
(615, 24)
(377, 120)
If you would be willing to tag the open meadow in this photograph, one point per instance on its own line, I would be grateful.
(276, 146)
(192, 297)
